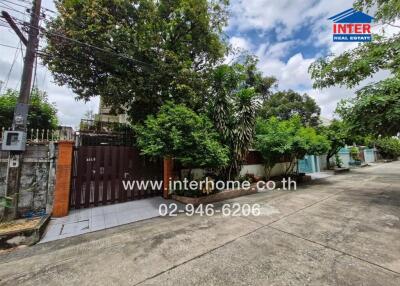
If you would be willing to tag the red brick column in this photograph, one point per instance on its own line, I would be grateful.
(63, 179)
(168, 169)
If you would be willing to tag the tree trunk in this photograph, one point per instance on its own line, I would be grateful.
(328, 166)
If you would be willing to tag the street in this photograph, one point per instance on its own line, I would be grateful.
(341, 230)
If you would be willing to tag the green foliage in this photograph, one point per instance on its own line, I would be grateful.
(310, 142)
(338, 161)
(272, 141)
(353, 66)
(386, 11)
(389, 147)
(233, 105)
(337, 135)
(355, 153)
(42, 114)
(285, 104)
(375, 110)
(277, 139)
(179, 132)
(149, 51)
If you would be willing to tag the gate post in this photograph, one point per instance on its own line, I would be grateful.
(168, 169)
(63, 179)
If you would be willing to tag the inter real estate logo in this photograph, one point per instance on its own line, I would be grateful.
(352, 26)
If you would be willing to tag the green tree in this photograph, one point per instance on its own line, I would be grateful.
(337, 135)
(375, 109)
(389, 147)
(351, 67)
(233, 105)
(136, 54)
(42, 114)
(178, 132)
(273, 141)
(285, 104)
(287, 140)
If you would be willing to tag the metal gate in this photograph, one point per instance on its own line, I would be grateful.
(99, 172)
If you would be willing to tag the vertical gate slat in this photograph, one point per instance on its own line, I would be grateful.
(106, 175)
(97, 175)
(88, 184)
(102, 168)
(131, 171)
(81, 165)
(122, 163)
(114, 174)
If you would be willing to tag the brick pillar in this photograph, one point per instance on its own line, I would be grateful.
(168, 169)
(63, 179)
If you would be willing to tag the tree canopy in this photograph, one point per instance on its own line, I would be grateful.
(286, 104)
(287, 139)
(42, 114)
(337, 134)
(136, 54)
(388, 147)
(233, 102)
(351, 67)
(178, 132)
(375, 109)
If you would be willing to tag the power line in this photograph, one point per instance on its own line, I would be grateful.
(41, 53)
(23, 13)
(16, 4)
(14, 10)
(11, 68)
(27, 2)
(73, 40)
(8, 46)
(74, 60)
(82, 43)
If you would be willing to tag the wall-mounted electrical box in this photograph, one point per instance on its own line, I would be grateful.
(14, 141)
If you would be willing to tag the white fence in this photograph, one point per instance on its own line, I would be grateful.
(45, 135)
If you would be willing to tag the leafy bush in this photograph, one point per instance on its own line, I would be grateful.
(42, 114)
(278, 139)
(337, 135)
(389, 147)
(355, 153)
(179, 132)
(338, 161)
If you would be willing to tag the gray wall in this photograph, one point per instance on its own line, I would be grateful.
(37, 178)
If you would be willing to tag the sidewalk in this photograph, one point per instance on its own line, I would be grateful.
(342, 230)
(93, 219)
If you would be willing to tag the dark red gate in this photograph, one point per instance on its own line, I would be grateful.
(99, 172)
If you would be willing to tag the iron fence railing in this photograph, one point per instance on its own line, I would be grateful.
(96, 126)
(44, 135)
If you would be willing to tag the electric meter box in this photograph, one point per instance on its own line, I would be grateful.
(14, 141)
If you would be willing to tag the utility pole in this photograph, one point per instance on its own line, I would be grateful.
(21, 110)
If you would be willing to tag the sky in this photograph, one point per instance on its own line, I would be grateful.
(286, 35)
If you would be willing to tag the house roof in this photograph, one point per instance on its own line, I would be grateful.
(351, 16)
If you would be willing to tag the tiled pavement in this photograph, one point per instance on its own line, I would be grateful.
(321, 175)
(93, 219)
(99, 218)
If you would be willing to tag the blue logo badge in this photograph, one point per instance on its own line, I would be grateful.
(352, 26)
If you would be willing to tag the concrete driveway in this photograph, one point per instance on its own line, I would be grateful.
(342, 230)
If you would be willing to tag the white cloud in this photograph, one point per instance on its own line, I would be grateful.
(259, 16)
(291, 75)
(285, 17)
(279, 49)
(240, 43)
(329, 97)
